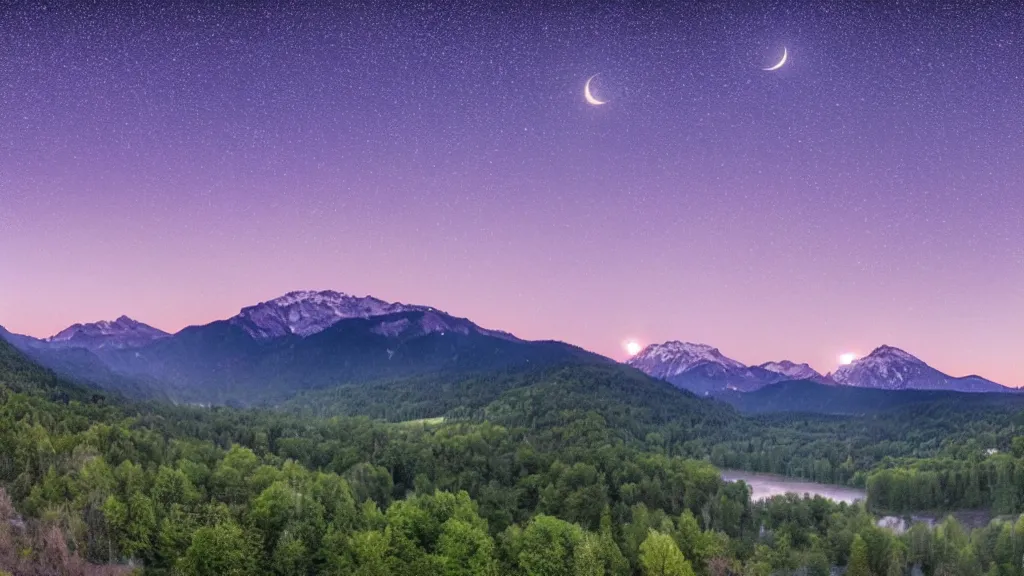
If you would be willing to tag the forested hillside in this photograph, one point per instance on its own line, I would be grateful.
(580, 470)
(808, 397)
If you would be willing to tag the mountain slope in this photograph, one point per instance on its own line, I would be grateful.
(890, 368)
(18, 373)
(306, 313)
(223, 363)
(626, 400)
(700, 368)
(811, 397)
(82, 366)
(276, 349)
(525, 396)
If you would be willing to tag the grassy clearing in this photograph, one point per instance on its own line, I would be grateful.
(423, 422)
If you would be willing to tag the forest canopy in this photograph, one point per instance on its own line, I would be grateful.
(578, 470)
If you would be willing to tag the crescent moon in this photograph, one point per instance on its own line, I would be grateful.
(785, 54)
(590, 97)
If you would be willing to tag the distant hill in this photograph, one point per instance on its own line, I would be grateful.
(810, 397)
(83, 366)
(18, 373)
(531, 397)
(121, 333)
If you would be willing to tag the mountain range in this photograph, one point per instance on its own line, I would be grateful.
(703, 369)
(276, 349)
(312, 340)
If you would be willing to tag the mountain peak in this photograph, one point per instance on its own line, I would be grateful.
(886, 351)
(124, 332)
(675, 357)
(307, 312)
(297, 296)
(792, 370)
(700, 368)
(891, 368)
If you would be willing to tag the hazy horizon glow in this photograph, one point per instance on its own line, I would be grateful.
(176, 163)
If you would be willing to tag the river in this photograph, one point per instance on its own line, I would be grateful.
(764, 486)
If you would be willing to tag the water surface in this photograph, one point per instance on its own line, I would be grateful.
(764, 486)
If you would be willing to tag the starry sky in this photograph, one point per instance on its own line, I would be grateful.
(174, 161)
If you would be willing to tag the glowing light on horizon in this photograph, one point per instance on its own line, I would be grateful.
(847, 358)
(633, 347)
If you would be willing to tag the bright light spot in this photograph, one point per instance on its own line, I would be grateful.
(847, 358)
(633, 347)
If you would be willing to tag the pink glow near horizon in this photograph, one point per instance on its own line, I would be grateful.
(859, 196)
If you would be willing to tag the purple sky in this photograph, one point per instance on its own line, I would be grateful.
(175, 163)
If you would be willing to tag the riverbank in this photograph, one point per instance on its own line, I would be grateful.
(764, 486)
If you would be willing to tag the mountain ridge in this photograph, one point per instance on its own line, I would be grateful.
(313, 339)
(808, 397)
(703, 369)
(124, 332)
(307, 312)
(282, 347)
(891, 368)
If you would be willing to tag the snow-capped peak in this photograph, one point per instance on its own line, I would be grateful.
(675, 357)
(887, 367)
(121, 333)
(891, 352)
(430, 322)
(308, 312)
(884, 367)
(894, 369)
(791, 370)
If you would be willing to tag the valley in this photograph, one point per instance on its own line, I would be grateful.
(321, 433)
(477, 288)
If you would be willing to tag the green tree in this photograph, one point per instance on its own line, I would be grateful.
(897, 559)
(859, 564)
(370, 482)
(370, 553)
(290, 556)
(231, 478)
(220, 550)
(587, 558)
(615, 564)
(132, 524)
(1017, 447)
(171, 486)
(660, 556)
(174, 535)
(547, 545)
(466, 550)
(817, 564)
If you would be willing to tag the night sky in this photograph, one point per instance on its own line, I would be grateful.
(176, 162)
